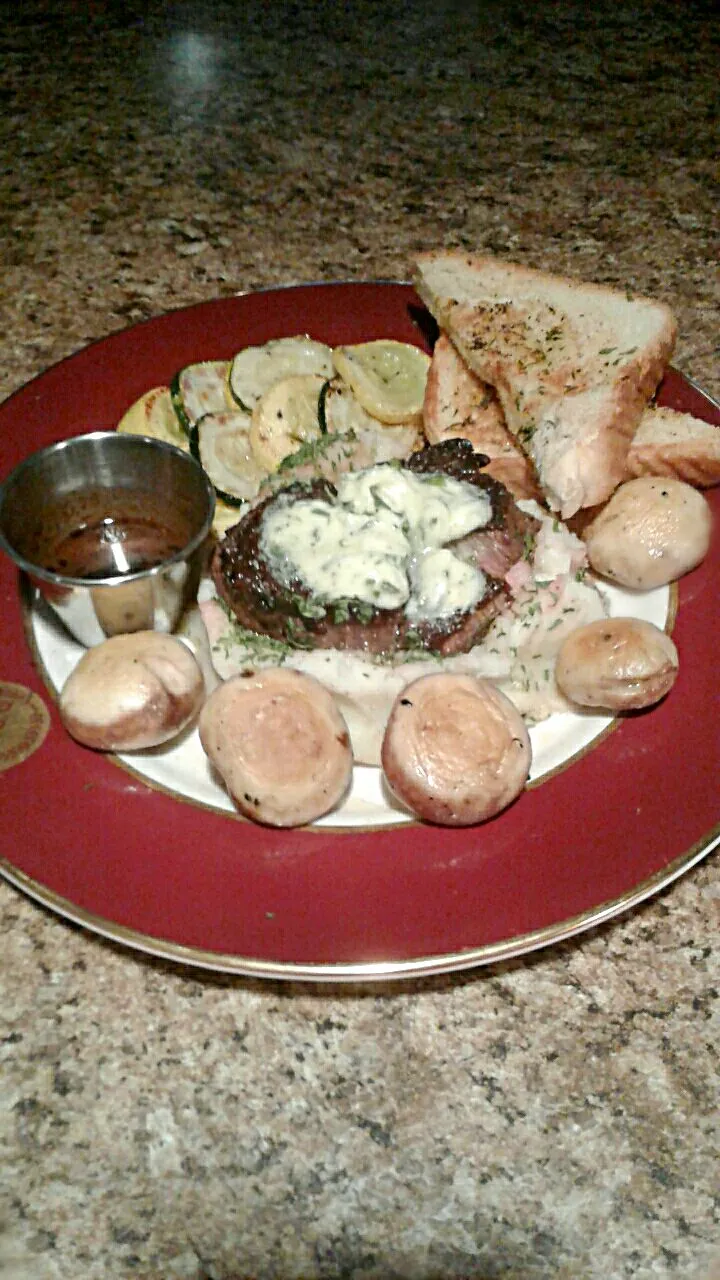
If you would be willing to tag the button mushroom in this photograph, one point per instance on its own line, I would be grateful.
(618, 664)
(131, 692)
(280, 745)
(456, 750)
(650, 532)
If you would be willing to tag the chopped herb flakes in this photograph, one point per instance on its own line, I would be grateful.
(528, 545)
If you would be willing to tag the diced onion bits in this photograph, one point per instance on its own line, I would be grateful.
(456, 750)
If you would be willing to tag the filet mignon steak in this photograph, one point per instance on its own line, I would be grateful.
(275, 599)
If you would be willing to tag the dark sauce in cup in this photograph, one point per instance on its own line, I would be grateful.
(107, 533)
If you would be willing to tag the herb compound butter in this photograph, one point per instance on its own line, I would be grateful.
(384, 540)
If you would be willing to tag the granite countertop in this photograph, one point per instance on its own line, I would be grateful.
(555, 1116)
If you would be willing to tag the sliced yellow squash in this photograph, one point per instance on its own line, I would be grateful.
(225, 517)
(287, 416)
(153, 415)
(388, 377)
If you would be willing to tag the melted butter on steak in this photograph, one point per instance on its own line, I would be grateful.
(393, 558)
(384, 539)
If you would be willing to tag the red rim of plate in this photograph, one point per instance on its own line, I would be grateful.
(101, 847)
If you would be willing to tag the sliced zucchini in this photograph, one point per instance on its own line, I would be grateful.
(287, 416)
(254, 370)
(153, 415)
(199, 389)
(221, 444)
(387, 377)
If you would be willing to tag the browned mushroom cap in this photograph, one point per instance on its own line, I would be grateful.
(650, 532)
(456, 750)
(280, 744)
(131, 692)
(619, 664)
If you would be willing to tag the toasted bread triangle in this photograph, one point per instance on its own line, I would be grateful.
(574, 365)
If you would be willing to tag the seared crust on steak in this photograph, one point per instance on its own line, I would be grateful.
(262, 604)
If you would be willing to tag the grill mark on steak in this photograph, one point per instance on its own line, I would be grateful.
(292, 614)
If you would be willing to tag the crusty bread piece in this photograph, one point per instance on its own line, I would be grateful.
(455, 395)
(668, 443)
(573, 364)
(458, 403)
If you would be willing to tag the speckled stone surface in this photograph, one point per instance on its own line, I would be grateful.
(555, 1117)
